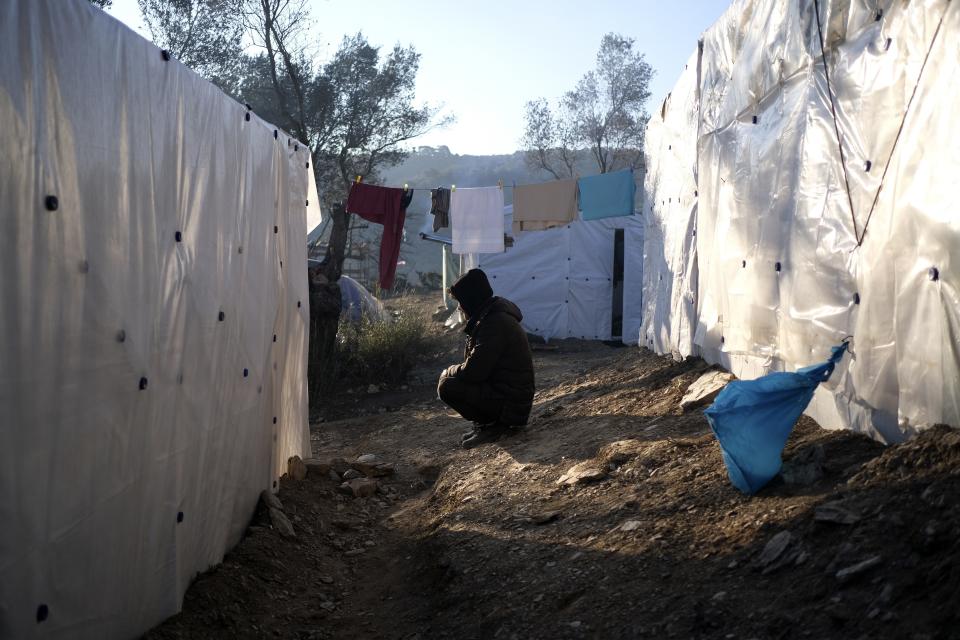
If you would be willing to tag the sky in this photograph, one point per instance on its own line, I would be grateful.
(483, 62)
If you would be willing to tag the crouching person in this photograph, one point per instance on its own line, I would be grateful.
(493, 386)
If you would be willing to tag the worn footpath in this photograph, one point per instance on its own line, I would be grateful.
(610, 515)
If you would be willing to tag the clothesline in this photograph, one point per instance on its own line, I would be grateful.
(475, 215)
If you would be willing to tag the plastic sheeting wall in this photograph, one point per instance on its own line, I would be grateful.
(795, 247)
(562, 278)
(153, 322)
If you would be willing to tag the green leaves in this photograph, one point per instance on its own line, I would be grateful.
(599, 125)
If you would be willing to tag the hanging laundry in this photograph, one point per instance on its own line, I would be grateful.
(440, 208)
(542, 206)
(386, 206)
(476, 220)
(607, 195)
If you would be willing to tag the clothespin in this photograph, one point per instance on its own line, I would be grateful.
(500, 184)
(453, 187)
(405, 189)
(359, 178)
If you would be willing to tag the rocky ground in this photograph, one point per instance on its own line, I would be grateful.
(610, 516)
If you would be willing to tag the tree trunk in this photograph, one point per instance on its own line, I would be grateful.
(325, 312)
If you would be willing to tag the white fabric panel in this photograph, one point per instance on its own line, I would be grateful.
(591, 279)
(773, 190)
(99, 298)
(314, 214)
(670, 266)
(476, 220)
(561, 278)
(533, 274)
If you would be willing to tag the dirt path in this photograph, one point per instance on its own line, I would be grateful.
(486, 544)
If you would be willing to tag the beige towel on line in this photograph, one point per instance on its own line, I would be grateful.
(542, 206)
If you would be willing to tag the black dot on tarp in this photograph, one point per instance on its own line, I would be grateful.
(121, 335)
(143, 384)
(275, 134)
(178, 236)
(246, 372)
(179, 516)
(274, 419)
(867, 165)
(296, 148)
(743, 264)
(274, 337)
(755, 119)
(274, 484)
(246, 117)
(165, 54)
(777, 266)
(856, 298)
(722, 339)
(51, 203)
(221, 316)
(240, 249)
(695, 194)
(308, 165)
(298, 302)
(934, 274)
(306, 203)
(533, 277)
(276, 229)
(878, 16)
(43, 612)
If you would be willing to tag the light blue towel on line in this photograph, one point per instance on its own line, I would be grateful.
(607, 195)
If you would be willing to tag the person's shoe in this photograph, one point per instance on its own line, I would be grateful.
(473, 431)
(477, 426)
(484, 434)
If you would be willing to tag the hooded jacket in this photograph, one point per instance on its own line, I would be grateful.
(498, 357)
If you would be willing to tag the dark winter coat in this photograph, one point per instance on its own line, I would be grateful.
(498, 354)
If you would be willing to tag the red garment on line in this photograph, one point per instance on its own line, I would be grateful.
(386, 206)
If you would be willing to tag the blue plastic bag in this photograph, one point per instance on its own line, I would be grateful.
(752, 420)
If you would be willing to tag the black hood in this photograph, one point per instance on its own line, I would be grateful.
(472, 290)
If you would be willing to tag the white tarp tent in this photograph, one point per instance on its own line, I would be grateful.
(563, 278)
(774, 246)
(153, 314)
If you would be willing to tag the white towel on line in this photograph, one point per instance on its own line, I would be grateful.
(476, 220)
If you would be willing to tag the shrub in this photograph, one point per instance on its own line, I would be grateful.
(380, 352)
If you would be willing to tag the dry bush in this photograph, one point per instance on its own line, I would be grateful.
(380, 352)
